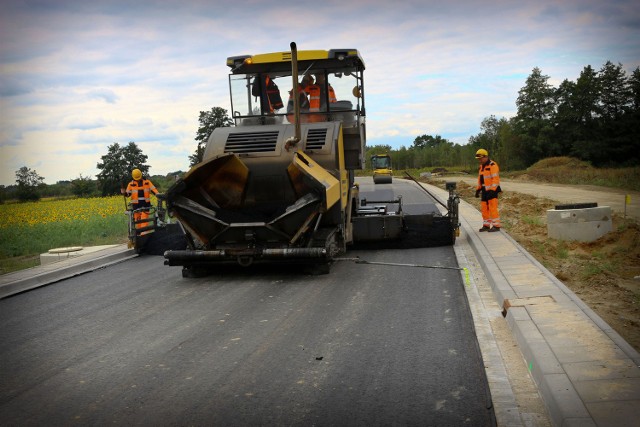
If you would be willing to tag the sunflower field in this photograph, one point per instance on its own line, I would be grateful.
(28, 229)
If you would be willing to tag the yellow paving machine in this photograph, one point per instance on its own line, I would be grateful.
(280, 184)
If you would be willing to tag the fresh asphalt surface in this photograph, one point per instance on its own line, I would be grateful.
(135, 343)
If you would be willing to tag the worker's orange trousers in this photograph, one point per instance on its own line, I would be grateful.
(490, 215)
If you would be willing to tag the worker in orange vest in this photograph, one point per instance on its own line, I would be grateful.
(320, 82)
(269, 94)
(140, 192)
(318, 97)
(489, 187)
(307, 80)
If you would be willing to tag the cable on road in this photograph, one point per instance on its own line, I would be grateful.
(358, 260)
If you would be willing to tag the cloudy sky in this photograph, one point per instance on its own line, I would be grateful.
(77, 76)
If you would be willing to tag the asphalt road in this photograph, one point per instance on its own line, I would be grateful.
(137, 344)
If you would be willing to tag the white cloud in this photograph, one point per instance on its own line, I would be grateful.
(77, 76)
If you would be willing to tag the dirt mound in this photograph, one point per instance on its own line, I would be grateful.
(559, 162)
(440, 171)
(558, 169)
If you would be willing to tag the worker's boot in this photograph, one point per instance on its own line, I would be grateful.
(484, 228)
(494, 229)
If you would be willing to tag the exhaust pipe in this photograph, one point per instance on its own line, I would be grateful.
(296, 98)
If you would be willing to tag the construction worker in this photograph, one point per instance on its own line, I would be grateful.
(320, 82)
(302, 96)
(489, 187)
(269, 94)
(140, 192)
(318, 97)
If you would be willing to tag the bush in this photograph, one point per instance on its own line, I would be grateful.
(83, 186)
(27, 193)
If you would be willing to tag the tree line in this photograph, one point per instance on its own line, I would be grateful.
(595, 118)
(115, 168)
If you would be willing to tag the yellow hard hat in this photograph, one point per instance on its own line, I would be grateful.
(136, 174)
(482, 153)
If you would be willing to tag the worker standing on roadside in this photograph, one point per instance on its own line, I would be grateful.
(489, 187)
(140, 192)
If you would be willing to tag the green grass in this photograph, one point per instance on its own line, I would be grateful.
(8, 265)
(28, 240)
(539, 245)
(596, 268)
(29, 229)
(533, 220)
(562, 252)
(21, 245)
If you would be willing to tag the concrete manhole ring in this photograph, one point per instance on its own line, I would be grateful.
(65, 250)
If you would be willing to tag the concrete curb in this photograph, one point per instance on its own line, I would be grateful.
(21, 281)
(548, 350)
(506, 409)
(631, 352)
(532, 345)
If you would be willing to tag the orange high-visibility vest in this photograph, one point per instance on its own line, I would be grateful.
(488, 177)
(315, 97)
(140, 193)
(273, 95)
(332, 95)
(269, 94)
